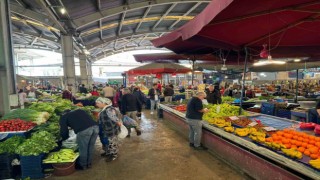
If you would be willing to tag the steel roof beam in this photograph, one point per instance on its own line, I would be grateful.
(98, 5)
(121, 22)
(106, 40)
(185, 14)
(144, 16)
(164, 15)
(27, 13)
(33, 41)
(85, 20)
(100, 25)
(38, 35)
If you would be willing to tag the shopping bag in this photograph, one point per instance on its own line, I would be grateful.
(129, 122)
(123, 132)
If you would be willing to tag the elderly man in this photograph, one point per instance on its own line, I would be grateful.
(194, 115)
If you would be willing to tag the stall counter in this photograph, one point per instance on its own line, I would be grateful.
(255, 160)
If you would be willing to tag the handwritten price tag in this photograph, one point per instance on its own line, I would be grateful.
(269, 128)
(252, 124)
(233, 118)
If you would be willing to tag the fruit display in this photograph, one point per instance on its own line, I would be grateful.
(227, 99)
(242, 132)
(16, 125)
(274, 146)
(221, 110)
(229, 129)
(258, 136)
(220, 122)
(315, 163)
(243, 122)
(181, 107)
(62, 156)
(293, 153)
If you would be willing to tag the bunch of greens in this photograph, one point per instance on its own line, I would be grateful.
(43, 107)
(61, 105)
(221, 110)
(227, 99)
(11, 144)
(51, 127)
(27, 115)
(40, 142)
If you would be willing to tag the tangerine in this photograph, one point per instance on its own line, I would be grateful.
(300, 139)
(269, 139)
(312, 137)
(286, 130)
(280, 133)
(293, 141)
(301, 149)
(317, 139)
(304, 144)
(304, 135)
(298, 143)
(309, 146)
(305, 140)
(307, 152)
(314, 156)
(312, 142)
(295, 137)
(317, 144)
(275, 137)
(294, 147)
(314, 150)
(288, 135)
(288, 146)
(285, 141)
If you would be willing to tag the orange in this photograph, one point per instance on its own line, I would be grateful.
(305, 140)
(275, 137)
(301, 149)
(278, 141)
(314, 150)
(269, 139)
(286, 130)
(293, 141)
(295, 137)
(317, 139)
(288, 135)
(314, 156)
(288, 146)
(294, 147)
(285, 141)
(312, 137)
(317, 144)
(304, 145)
(304, 135)
(300, 139)
(307, 152)
(312, 142)
(298, 143)
(280, 133)
(309, 146)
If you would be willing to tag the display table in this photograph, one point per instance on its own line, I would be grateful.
(250, 158)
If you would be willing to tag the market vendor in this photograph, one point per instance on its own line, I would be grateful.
(213, 95)
(314, 114)
(194, 115)
(87, 131)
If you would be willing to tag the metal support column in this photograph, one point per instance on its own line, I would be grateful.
(243, 80)
(83, 69)
(192, 75)
(89, 69)
(7, 66)
(297, 86)
(68, 62)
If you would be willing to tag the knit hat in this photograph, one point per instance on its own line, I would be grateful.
(103, 100)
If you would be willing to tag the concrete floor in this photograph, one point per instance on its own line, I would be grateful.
(159, 153)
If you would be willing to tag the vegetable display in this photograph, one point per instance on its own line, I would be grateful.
(52, 127)
(27, 115)
(226, 99)
(40, 142)
(11, 144)
(15, 125)
(62, 156)
(43, 107)
(221, 110)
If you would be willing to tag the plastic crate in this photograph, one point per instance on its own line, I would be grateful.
(31, 166)
(283, 113)
(267, 108)
(6, 169)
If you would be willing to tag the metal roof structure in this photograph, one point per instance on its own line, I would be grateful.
(102, 27)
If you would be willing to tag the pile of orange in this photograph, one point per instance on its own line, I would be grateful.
(307, 144)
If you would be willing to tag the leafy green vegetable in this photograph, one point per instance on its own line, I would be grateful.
(61, 105)
(11, 144)
(40, 142)
(226, 99)
(43, 107)
(27, 115)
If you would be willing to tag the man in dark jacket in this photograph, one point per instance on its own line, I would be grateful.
(154, 94)
(83, 89)
(213, 95)
(168, 93)
(87, 131)
(130, 105)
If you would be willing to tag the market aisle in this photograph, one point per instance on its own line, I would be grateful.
(159, 153)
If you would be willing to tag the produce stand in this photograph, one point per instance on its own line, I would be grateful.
(253, 159)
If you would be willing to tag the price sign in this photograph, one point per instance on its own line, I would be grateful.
(252, 124)
(233, 118)
(269, 128)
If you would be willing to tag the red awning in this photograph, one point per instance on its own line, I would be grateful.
(173, 58)
(159, 68)
(291, 27)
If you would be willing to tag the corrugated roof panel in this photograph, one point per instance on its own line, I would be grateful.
(159, 9)
(182, 8)
(136, 14)
(80, 8)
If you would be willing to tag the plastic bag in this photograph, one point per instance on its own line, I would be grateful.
(123, 132)
(129, 122)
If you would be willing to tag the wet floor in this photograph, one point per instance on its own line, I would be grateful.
(159, 153)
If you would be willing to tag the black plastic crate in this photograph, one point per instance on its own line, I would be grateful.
(31, 166)
(6, 169)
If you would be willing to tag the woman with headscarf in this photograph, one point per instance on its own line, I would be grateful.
(109, 125)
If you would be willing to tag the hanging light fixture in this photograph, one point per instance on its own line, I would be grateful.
(268, 61)
(224, 67)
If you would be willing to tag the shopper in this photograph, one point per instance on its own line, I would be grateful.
(314, 114)
(22, 98)
(83, 89)
(154, 94)
(109, 92)
(194, 115)
(168, 93)
(159, 85)
(141, 97)
(109, 124)
(117, 98)
(213, 95)
(87, 132)
(95, 92)
(67, 94)
(130, 105)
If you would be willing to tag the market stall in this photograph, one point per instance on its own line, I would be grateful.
(251, 157)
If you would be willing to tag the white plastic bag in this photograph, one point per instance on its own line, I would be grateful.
(123, 133)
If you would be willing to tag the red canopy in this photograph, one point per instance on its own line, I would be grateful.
(159, 68)
(172, 57)
(291, 27)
